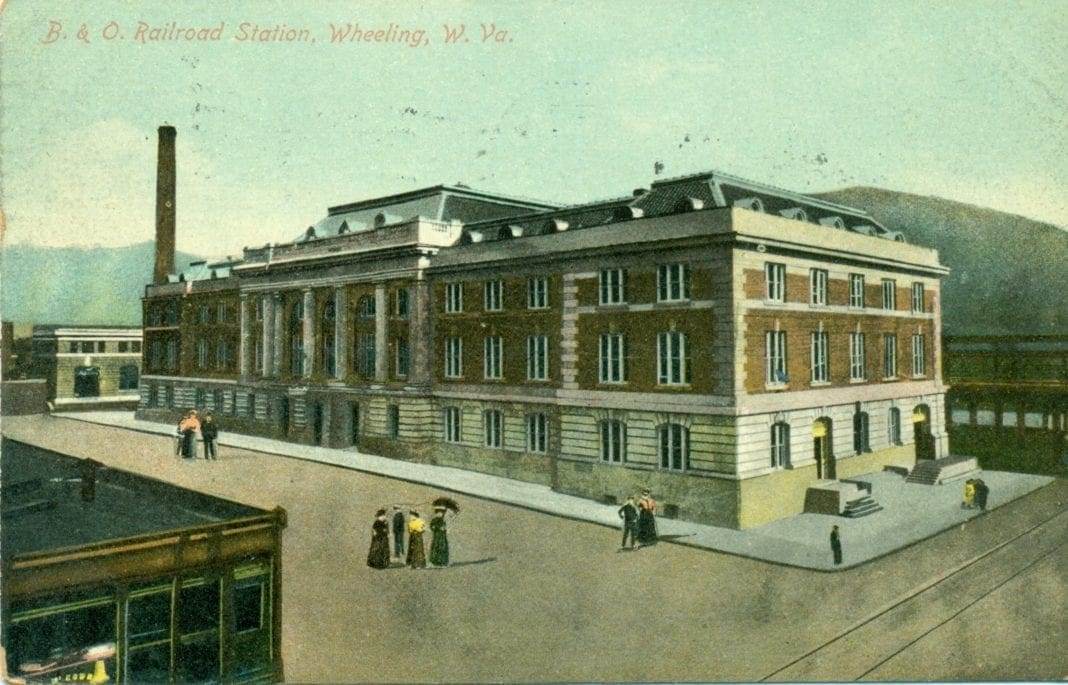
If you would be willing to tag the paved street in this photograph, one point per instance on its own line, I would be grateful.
(534, 597)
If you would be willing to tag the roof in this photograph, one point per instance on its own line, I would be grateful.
(43, 508)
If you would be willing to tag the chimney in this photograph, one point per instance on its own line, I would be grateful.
(165, 183)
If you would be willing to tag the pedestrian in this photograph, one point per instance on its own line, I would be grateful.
(646, 520)
(378, 555)
(981, 493)
(969, 494)
(398, 531)
(629, 513)
(209, 430)
(188, 428)
(439, 541)
(416, 551)
(836, 545)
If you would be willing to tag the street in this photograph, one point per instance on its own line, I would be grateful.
(532, 597)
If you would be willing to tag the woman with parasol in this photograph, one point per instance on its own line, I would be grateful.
(439, 543)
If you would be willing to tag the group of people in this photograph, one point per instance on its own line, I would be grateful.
(187, 435)
(415, 557)
(976, 493)
(639, 521)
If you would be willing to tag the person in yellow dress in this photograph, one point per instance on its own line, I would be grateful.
(416, 551)
(969, 495)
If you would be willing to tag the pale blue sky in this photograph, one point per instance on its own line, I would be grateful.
(965, 102)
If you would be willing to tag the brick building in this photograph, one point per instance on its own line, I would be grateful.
(726, 343)
(87, 364)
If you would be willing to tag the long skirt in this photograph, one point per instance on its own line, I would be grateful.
(189, 444)
(416, 552)
(378, 555)
(646, 527)
(439, 549)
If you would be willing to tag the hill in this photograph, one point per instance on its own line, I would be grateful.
(87, 286)
(1008, 274)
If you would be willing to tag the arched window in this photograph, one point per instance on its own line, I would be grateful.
(894, 426)
(327, 337)
(365, 309)
(296, 339)
(860, 432)
(673, 446)
(780, 445)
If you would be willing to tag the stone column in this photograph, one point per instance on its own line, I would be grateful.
(267, 337)
(381, 333)
(276, 335)
(341, 333)
(244, 359)
(420, 340)
(309, 332)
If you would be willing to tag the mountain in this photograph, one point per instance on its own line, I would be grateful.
(98, 285)
(1008, 274)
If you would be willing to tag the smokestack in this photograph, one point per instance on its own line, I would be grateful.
(165, 184)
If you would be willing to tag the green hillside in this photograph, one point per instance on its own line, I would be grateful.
(99, 285)
(1009, 274)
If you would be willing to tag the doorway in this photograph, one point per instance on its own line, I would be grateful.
(921, 431)
(87, 381)
(822, 449)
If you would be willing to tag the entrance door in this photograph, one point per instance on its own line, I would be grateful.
(354, 425)
(822, 451)
(283, 415)
(87, 381)
(318, 424)
(921, 429)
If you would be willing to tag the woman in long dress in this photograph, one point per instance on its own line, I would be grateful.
(188, 428)
(646, 520)
(378, 555)
(439, 543)
(416, 551)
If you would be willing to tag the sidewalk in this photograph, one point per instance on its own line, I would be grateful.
(911, 512)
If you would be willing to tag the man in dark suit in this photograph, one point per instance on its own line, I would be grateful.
(398, 531)
(629, 513)
(836, 545)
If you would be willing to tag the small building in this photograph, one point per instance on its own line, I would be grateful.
(88, 365)
(109, 574)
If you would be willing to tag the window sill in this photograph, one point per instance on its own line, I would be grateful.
(857, 381)
(770, 387)
(820, 384)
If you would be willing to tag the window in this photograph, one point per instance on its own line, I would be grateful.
(203, 314)
(860, 432)
(889, 294)
(257, 356)
(673, 357)
(452, 424)
(199, 398)
(217, 400)
(155, 317)
(259, 308)
(537, 433)
(613, 441)
(818, 287)
(402, 361)
(135, 346)
(613, 286)
(327, 351)
(492, 359)
(454, 298)
(537, 292)
(101, 346)
(894, 426)
(918, 303)
(155, 354)
(613, 362)
(775, 358)
(537, 358)
(492, 294)
(820, 373)
(392, 421)
(222, 313)
(128, 377)
(365, 355)
(919, 363)
(856, 290)
(365, 308)
(87, 347)
(168, 396)
(402, 303)
(171, 316)
(202, 353)
(73, 347)
(492, 421)
(857, 357)
(775, 282)
(454, 357)
(250, 405)
(124, 346)
(780, 445)
(296, 339)
(889, 355)
(222, 354)
(673, 446)
(672, 283)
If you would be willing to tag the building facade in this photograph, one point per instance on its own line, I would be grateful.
(87, 363)
(725, 343)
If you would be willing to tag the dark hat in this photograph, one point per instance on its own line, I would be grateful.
(413, 512)
(380, 512)
(397, 507)
(646, 491)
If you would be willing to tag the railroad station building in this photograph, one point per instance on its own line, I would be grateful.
(725, 343)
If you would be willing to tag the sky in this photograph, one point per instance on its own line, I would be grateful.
(565, 102)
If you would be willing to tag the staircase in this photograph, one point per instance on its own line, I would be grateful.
(935, 471)
(864, 506)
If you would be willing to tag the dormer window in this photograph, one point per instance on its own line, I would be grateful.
(833, 222)
(627, 213)
(795, 213)
(688, 204)
(754, 204)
